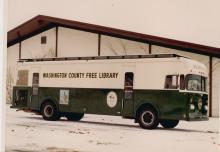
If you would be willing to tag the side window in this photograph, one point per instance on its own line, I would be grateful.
(35, 83)
(35, 78)
(22, 78)
(128, 85)
(129, 80)
(171, 82)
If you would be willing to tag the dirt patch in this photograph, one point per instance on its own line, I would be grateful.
(24, 125)
(103, 143)
(79, 131)
(56, 149)
(48, 149)
(21, 150)
(216, 132)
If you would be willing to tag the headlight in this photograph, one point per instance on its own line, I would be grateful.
(206, 108)
(192, 107)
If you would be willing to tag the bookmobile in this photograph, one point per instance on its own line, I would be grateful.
(151, 89)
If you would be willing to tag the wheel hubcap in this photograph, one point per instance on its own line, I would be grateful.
(147, 118)
(48, 111)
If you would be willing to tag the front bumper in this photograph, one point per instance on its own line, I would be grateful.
(197, 117)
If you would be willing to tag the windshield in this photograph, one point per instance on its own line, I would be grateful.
(196, 83)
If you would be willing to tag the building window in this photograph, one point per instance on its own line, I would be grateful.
(43, 39)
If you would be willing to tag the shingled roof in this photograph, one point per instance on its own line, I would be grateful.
(42, 23)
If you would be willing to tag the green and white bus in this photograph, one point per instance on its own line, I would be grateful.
(151, 89)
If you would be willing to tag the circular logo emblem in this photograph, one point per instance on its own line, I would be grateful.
(112, 99)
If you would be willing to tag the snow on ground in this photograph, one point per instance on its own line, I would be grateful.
(27, 132)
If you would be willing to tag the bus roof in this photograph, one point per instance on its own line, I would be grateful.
(103, 57)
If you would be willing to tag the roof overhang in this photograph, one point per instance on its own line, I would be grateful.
(42, 23)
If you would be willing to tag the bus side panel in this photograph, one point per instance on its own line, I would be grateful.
(97, 103)
(71, 104)
(142, 97)
(83, 100)
(170, 104)
(48, 94)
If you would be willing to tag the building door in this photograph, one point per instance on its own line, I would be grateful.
(128, 101)
(35, 91)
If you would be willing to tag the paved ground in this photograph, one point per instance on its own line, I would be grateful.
(26, 132)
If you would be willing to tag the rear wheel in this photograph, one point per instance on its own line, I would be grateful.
(49, 112)
(147, 118)
(169, 123)
(74, 116)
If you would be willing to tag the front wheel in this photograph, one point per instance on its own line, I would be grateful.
(147, 118)
(169, 123)
(74, 116)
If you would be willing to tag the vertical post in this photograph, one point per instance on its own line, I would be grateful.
(99, 44)
(19, 36)
(210, 86)
(150, 49)
(19, 50)
(56, 47)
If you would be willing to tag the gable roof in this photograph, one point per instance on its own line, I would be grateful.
(42, 23)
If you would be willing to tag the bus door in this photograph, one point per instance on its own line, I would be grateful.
(128, 101)
(35, 92)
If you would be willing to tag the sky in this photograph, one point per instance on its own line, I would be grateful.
(195, 21)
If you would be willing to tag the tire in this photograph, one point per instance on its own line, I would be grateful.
(148, 119)
(74, 116)
(169, 123)
(49, 112)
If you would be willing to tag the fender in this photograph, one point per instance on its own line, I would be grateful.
(51, 99)
(144, 104)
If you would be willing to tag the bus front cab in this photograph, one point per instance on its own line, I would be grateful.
(192, 95)
(197, 97)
